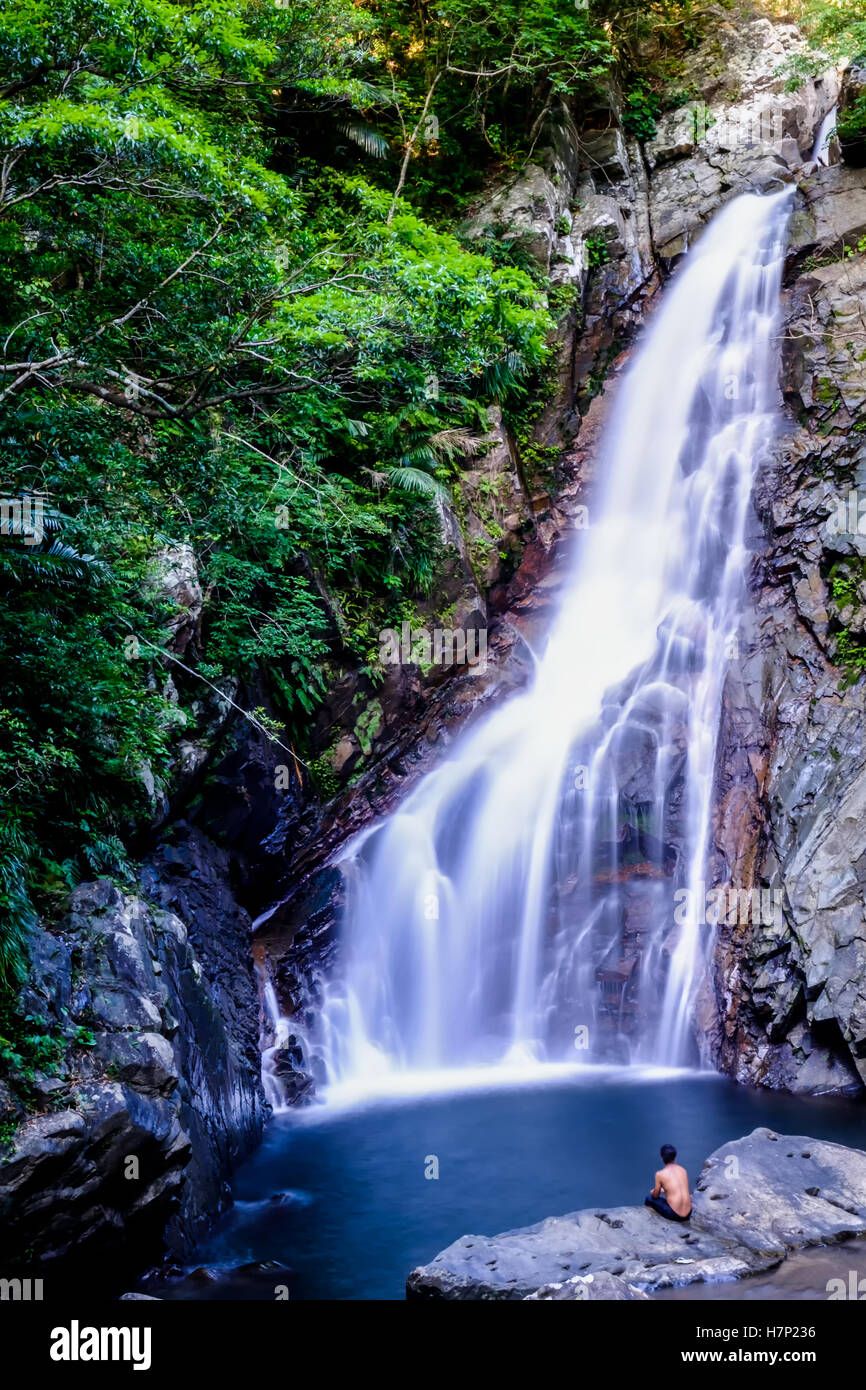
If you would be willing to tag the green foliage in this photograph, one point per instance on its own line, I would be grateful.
(323, 775)
(27, 1046)
(640, 112)
(492, 73)
(846, 577)
(563, 298)
(235, 319)
(851, 125)
(838, 27)
(475, 82)
(675, 97)
(16, 910)
(220, 331)
(597, 250)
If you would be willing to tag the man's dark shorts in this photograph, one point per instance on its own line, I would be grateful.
(660, 1205)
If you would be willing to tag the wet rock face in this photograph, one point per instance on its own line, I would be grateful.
(756, 1199)
(745, 131)
(825, 232)
(792, 771)
(532, 209)
(158, 1093)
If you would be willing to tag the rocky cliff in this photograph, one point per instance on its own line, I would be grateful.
(609, 217)
(155, 1092)
(793, 774)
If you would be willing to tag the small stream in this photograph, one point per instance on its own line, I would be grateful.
(341, 1198)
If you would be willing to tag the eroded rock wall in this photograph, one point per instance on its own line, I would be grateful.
(793, 768)
(157, 1092)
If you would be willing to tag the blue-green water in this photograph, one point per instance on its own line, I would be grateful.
(358, 1212)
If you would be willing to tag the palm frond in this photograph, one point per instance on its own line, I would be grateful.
(415, 480)
(449, 443)
(17, 918)
(418, 453)
(368, 139)
(501, 376)
(58, 564)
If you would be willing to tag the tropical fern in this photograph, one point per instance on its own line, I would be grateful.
(417, 481)
(46, 565)
(502, 376)
(105, 854)
(371, 141)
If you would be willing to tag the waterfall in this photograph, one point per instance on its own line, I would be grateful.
(520, 904)
(276, 1036)
(821, 152)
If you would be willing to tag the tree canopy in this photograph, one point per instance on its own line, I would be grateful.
(237, 314)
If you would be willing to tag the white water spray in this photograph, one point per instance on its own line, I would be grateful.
(519, 904)
(279, 1030)
(821, 152)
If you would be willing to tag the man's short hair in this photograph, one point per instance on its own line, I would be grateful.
(669, 1153)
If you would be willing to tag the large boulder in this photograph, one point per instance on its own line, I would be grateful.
(833, 219)
(755, 1199)
(789, 1188)
(156, 1093)
(630, 1243)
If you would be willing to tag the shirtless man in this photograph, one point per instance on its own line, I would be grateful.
(670, 1197)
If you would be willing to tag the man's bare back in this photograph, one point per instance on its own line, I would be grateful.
(670, 1197)
(673, 1181)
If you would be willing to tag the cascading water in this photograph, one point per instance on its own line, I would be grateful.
(821, 151)
(520, 903)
